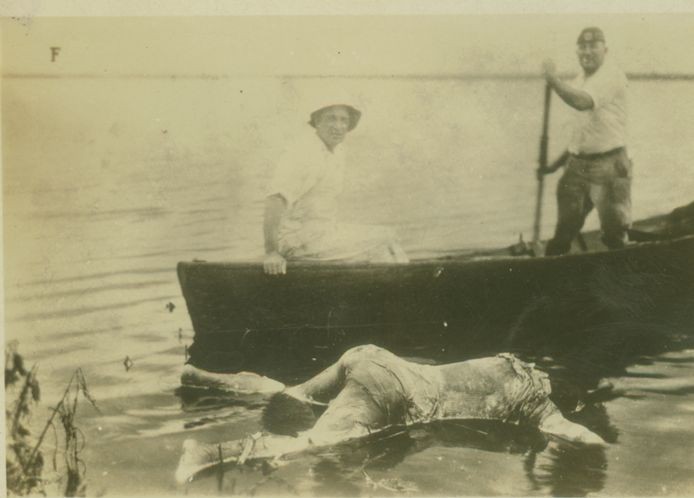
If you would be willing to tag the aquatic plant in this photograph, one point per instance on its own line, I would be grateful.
(25, 459)
(23, 465)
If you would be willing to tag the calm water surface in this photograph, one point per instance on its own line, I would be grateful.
(109, 183)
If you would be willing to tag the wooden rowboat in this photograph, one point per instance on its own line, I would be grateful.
(288, 327)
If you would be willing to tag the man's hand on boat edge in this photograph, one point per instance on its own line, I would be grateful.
(274, 264)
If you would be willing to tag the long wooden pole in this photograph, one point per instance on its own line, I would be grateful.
(544, 143)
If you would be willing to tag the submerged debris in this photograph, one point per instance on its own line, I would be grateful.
(128, 363)
(394, 485)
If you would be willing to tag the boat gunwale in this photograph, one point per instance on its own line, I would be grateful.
(468, 259)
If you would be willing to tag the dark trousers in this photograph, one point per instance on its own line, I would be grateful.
(603, 182)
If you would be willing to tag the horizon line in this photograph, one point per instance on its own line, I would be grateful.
(404, 76)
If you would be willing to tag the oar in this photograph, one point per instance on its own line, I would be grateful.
(544, 143)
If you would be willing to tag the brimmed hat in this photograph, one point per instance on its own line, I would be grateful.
(590, 35)
(354, 114)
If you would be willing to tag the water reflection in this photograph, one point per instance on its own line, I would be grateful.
(581, 343)
(374, 465)
(551, 466)
(567, 470)
(202, 400)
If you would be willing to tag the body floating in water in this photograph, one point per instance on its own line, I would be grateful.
(370, 389)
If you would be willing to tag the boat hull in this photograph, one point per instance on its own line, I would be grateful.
(290, 326)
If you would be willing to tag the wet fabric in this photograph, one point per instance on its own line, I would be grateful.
(498, 388)
(378, 389)
(603, 183)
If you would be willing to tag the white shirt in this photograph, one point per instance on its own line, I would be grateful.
(310, 178)
(604, 127)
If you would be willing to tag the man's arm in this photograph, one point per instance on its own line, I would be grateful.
(274, 263)
(578, 99)
(558, 163)
(197, 457)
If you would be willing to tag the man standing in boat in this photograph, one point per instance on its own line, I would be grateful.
(598, 169)
(300, 221)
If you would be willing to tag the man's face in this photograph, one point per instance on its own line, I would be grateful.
(332, 125)
(591, 55)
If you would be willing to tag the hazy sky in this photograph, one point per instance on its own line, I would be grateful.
(353, 45)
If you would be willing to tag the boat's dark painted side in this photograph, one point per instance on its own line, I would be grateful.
(290, 326)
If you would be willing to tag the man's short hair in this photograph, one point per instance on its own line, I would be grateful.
(354, 115)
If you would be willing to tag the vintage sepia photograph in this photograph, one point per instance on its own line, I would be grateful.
(405, 250)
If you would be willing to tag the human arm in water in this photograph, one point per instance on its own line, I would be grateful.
(274, 263)
(574, 97)
(198, 457)
(289, 411)
(290, 416)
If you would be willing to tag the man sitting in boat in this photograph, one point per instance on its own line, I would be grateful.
(369, 389)
(300, 220)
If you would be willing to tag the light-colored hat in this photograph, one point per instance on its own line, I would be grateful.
(354, 113)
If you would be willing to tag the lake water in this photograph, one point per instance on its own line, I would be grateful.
(109, 182)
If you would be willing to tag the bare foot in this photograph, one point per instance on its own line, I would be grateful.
(241, 382)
